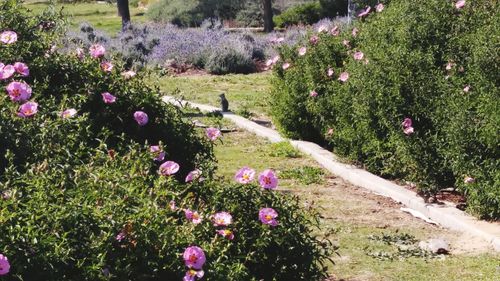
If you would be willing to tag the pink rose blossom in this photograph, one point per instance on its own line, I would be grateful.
(68, 113)
(355, 32)
(449, 65)
(194, 257)
(28, 109)
(141, 118)
(322, 28)
(108, 98)
(4, 265)
(467, 89)
(193, 216)
(379, 7)
(172, 205)
(169, 168)
(358, 55)
(245, 175)
(128, 74)
(192, 274)
(193, 175)
(222, 219)
(226, 233)
(468, 179)
(286, 66)
(79, 53)
(364, 12)
(408, 131)
(213, 133)
(407, 122)
(302, 51)
(335, 31)
(329, 72)
(6, 71)
(18, 91)
(268, 216)
(106, 66)
(120, 236)
(314, 39)
(346, 43)
(8, 37)
(21, 68)
(158, 153)
(344, 76)
(275, 59)
(460, 4)
(97, 51)
(330, 132)
(268, 179)
(313, 94)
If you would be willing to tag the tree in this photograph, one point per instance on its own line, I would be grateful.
(124, 12)
(268, 15)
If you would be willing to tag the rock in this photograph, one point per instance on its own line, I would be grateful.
(436, 246)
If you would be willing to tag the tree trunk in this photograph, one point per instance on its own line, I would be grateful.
(124, 12)
(268, 16)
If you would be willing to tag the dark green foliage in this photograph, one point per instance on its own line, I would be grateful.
(307, 13)
(226, 60)
(333, 8)
(407, 47)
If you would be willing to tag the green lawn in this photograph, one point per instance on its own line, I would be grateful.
(354, 214)
(102, 16)
(246, 93)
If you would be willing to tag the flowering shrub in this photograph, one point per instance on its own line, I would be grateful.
(408, 92)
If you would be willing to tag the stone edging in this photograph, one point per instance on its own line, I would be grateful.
(446, 216)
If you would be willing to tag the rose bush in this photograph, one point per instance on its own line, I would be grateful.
(408, 92)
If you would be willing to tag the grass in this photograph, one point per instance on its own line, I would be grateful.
(355, 216)
(244, 92)
(103, 16)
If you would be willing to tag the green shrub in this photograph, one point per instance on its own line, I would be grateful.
(307, 13)
(227, 59)
(402, 75)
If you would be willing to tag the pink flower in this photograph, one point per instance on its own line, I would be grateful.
(169, 168)
(4, 265)
(330, 132)
(450, 65)
(222, 219)
(322, 28)
(6, 71)
(21, 68)
(141, 118)
(335, 31)
(28, 109)
(467, 89)
(120, 236)
(408, 131)
(302, 51)
(97, 51)
(355, 32)
(18, 91)
(468, 179)
(314, 39)
(379, 7)
(344, 76)
(193, 175)
(245, 175)
(158, 153)
(194, 257)
(192, 274)
(313, 94)
(268, 216)
(172, 205)
(407, 122)
(268, 180)
(68, 113)
(358, 55)
(213, 133)
(275, 59)
(8, 37)
(346, 43)
(226, 233)
(193, 216)
(269, 62)
(128, 74)
(286, 66)
(364, 12)
(460, 4)
(108, 98)
(79, 53)
(329, 72)
(106, 66)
